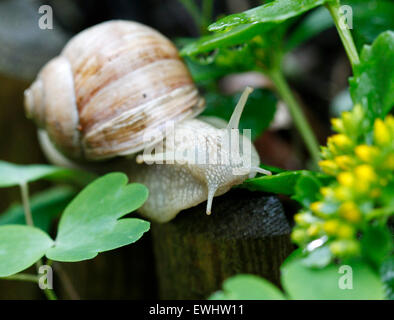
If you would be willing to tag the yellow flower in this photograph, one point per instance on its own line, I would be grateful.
(328, 166)
(366, 153)
(326, 191)
(349, 211)
(345, 231)
(337, 124)
(346, 179)
(331, 226)
(381, 133)
(344, 162)
(340, 140)
(365, 172)
(343, 193)
(316, 206)
(298, 235)
(313, 230)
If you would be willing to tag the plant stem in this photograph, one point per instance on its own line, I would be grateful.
(26, 204)
(194, 11)
(22, 277)
(50, 294)
(29, 221)
(344, 32)
(207, 9)
(296, 112)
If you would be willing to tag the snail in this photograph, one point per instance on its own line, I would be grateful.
(113, 92)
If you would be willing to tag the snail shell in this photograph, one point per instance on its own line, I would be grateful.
(110, 85)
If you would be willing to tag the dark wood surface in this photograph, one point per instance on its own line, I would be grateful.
(246, 233)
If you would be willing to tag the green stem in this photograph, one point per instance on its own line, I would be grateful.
(22, 277)
(207, 9)
(26, 204)
(296, 112)
(29, 221)
(344, 33)
(193, 10)
(50, 294)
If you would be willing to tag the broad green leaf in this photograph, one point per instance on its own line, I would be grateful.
(274, 12)
(14, 174)
(45, 206)
(318, 258)
(90, 224)
(305, 283)
(387, 275)
(306, 189)
(257, 115)
(313, 24)
(373, 82)
(237, 35)
(248, 287)
(282, 183)
(376, 244)
(20, 247)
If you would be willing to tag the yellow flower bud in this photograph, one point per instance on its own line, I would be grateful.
(331, 226)
(345, 247)
(313, 230)
(327, 191)
(345, 231)
(381, 133)
(346, 179)
(298, 235)
(340, 140)
(343, 193)
(365, 172)
(337, 124)
(316, 206)
(349, 211)
(366, 153)
(328, 166)
(344, 162)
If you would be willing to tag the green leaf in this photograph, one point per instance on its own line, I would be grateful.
(373, 82)
(45, 206)
(313, 24)
(376, 244)
(248, 287)
(90, 224)
(20, 247)
(387, 275)
(306, 189)
(237, 35)
(370, 18)
(257, 115)
(304, 283)
(14, 175)
(274, 12)
(282, 183)
(318, 258)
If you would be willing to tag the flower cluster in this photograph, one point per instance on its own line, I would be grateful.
(361, 158)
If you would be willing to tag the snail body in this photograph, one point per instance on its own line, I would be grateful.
(116, 84)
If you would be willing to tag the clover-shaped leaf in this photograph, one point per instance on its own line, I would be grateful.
(20, 247)
(14, 175)
(90, 224)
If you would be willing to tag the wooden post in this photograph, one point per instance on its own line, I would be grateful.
(246, 233)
